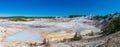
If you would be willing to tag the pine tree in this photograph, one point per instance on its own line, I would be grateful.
(92, 33)
(77, 36)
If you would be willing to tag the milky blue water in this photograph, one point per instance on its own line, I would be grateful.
(24, 36)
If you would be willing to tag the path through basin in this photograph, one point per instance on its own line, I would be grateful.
(25, 36)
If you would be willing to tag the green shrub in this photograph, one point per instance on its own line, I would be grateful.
(113, 27)
(77, 36)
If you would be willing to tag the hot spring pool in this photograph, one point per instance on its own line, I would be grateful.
(24, 36)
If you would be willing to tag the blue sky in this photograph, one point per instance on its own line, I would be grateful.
(57, 7)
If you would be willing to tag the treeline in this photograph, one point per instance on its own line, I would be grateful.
(72, 16)
(24, 17)
(69, 16)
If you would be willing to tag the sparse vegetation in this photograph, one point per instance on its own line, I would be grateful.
(92, 33)
(77, 36)
(113, 27)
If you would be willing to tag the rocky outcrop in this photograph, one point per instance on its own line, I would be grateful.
(112, 41)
